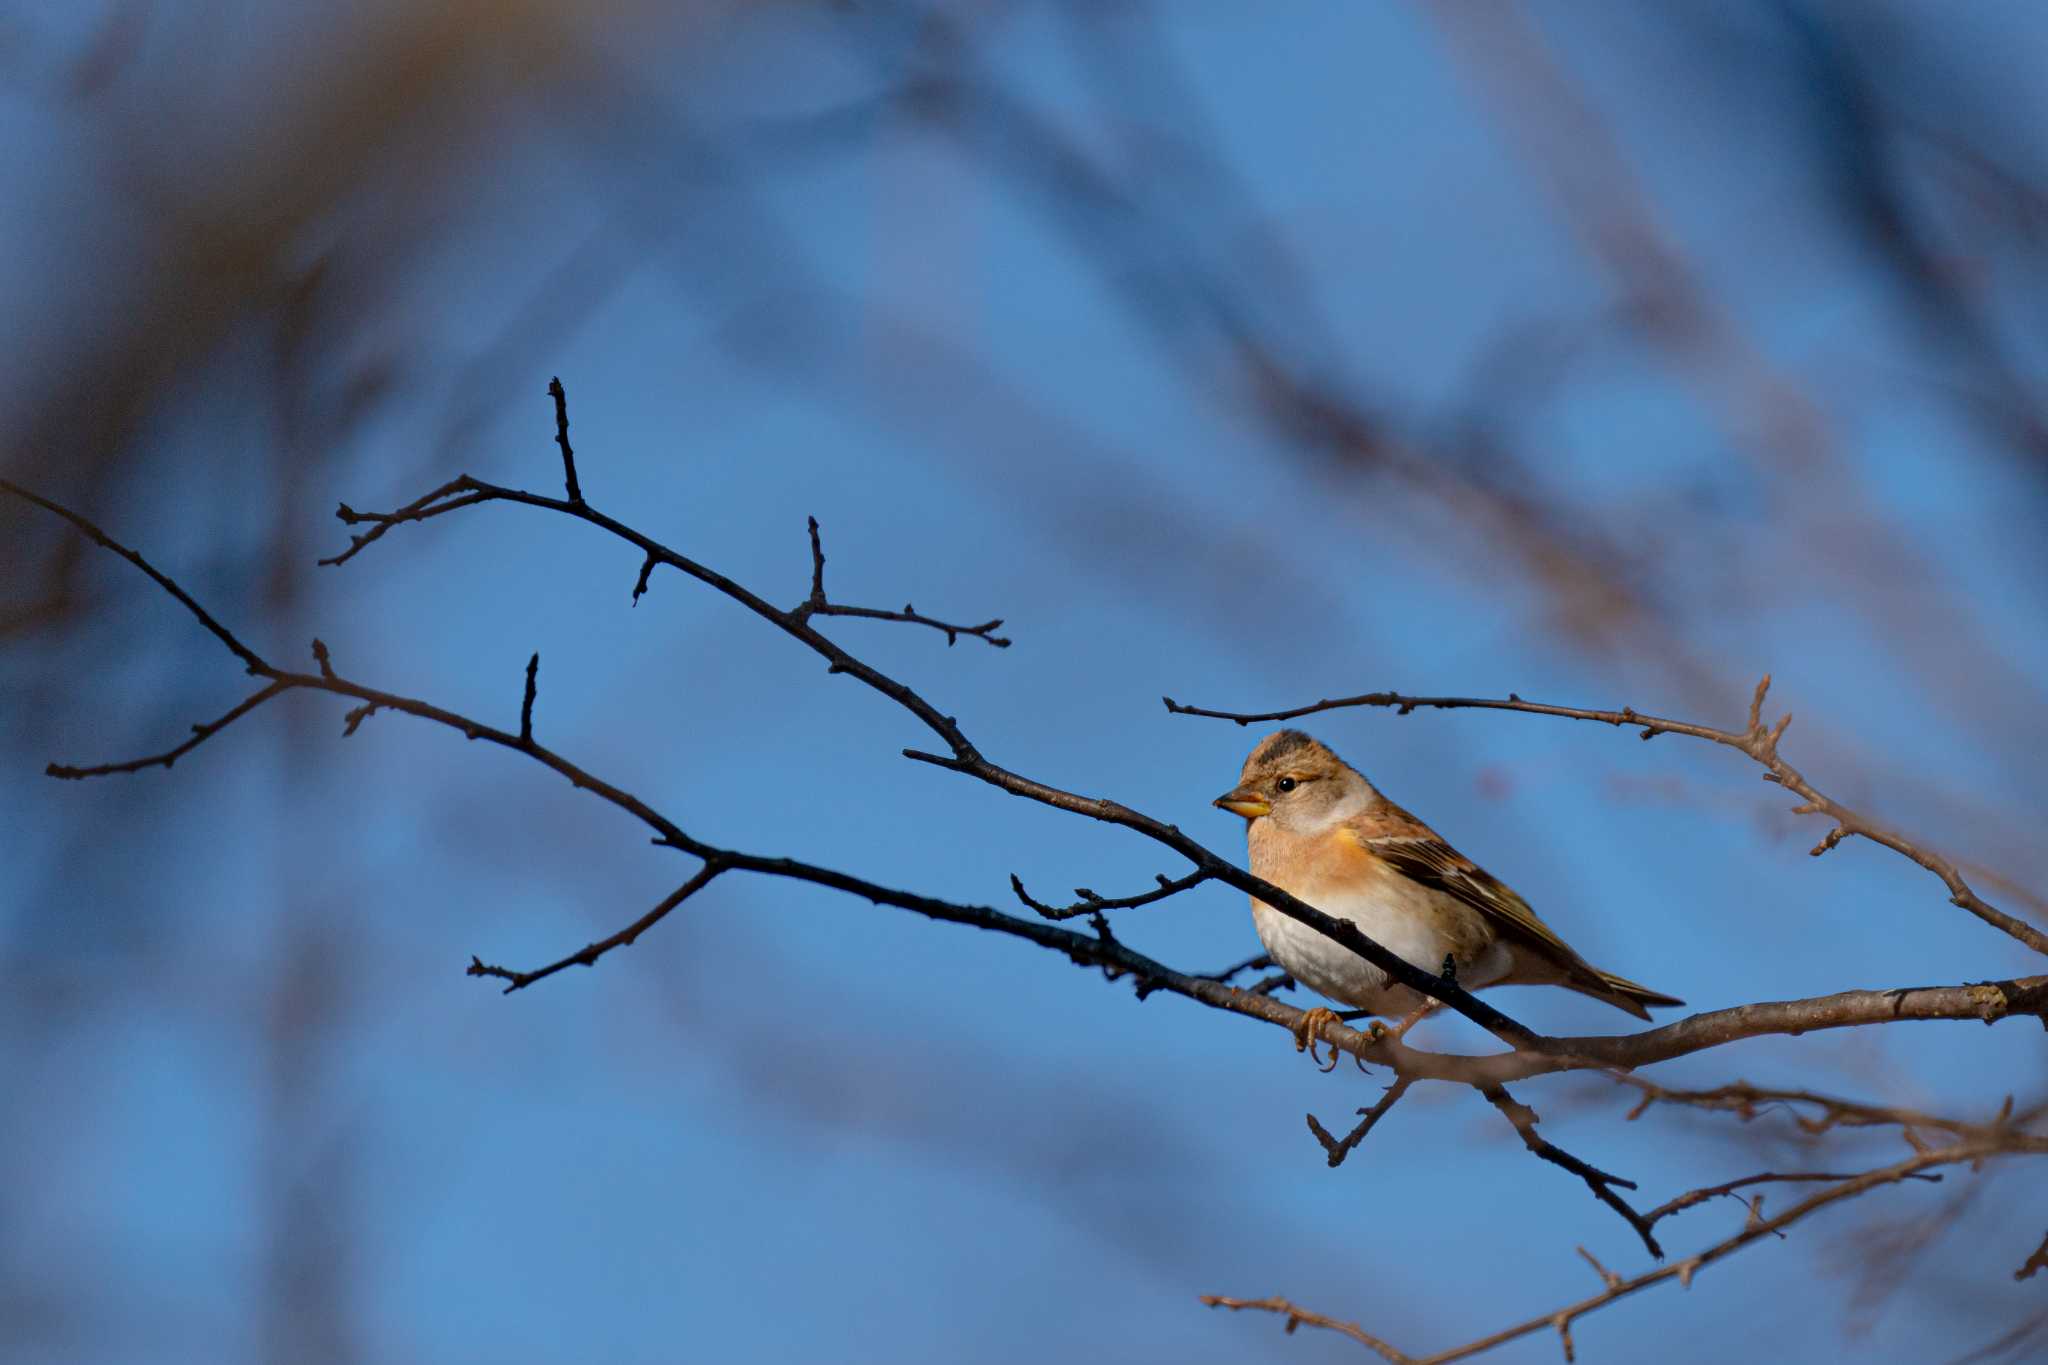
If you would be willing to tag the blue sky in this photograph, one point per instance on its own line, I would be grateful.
(792, 1126)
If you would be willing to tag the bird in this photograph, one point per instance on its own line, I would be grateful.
(1317, 829)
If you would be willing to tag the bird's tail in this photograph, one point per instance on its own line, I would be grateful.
(1620, 992)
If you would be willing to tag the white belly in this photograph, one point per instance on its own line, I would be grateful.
(1395, 913)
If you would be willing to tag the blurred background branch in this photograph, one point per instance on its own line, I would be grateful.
(1569, 352)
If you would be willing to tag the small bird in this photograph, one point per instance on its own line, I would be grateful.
(1320, 831)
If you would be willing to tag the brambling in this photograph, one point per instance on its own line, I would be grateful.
(1320, 831)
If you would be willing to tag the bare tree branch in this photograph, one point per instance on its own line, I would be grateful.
(561, 397)
(1524, 1121)
(200, 734)
(1727, 1189)
(1756, 740)
(817, 605)
(1560, 1320)
(589, 954)
(526, 701)
(101, 539)
(1337, 1149)
(1090, 903)
(1297, 1315)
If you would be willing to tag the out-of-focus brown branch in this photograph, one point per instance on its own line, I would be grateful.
(1748, 1101)
(1297, 1315)
(1758, 741)
(2038, 1260)
(1677, 309)
(1727, 1189)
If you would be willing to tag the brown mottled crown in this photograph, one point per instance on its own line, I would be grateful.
(1286, 746)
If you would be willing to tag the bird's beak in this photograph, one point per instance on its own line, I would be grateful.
(1249, 804)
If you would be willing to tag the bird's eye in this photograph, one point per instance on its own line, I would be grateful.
(1286, 784)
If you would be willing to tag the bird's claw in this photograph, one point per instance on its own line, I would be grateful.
(1308, 1030)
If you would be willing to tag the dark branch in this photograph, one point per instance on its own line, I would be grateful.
(220, 632)
(419, 509)
(818, 605)
(911, 616)
(588, 955)
(1090, 903)
(200, 734)
(1098, 950)
(2036, 1262)
(1250, 964)
(1524, 1121)
(526, 702)
(561, 397)
(1533, 1055)
(964, 757)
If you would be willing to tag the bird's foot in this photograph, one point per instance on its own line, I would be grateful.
(1309, 1029)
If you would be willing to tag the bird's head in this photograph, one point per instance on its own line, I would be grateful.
(1297, 783)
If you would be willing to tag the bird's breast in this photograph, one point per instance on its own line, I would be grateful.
(1340, 875)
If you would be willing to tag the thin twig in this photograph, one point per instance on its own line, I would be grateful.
(526, 701)
(588, 955)
(104, 541)
(817, 605)
(561, 397)
(1523, 1119)
(1090, 903)
(200, 734)
(1250, 964)
(1337, 1149)
(1296, 1316)
(1700, 1196)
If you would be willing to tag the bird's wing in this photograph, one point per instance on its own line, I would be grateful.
(1417, 852)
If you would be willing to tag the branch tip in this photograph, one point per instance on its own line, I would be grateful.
(561, 397)
(526, 701)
